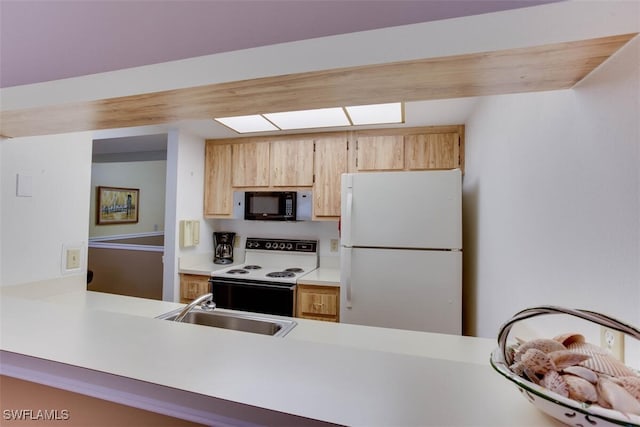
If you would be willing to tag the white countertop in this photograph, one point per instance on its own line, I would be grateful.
(343, 374)
(321, 276)
(203, 265)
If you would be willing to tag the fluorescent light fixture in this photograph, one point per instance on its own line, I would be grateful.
(304, 119)
(319, 118)
(375, 113)
(246, 124)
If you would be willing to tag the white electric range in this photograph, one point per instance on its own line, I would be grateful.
(265, 283)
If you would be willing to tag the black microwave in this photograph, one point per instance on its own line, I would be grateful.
(270, 205)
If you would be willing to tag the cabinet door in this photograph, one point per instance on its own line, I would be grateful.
(330, 163)
(432, 151)
(291, 163)
(250, 164)
(318, 302)
(192, 286)
(218, 195)
(379, 153)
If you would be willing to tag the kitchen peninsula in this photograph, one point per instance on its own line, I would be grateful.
(111, 347)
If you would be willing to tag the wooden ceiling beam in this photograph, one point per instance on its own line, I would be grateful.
(530, 69)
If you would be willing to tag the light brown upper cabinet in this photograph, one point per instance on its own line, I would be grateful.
(330, 164)
(316, 161)
(380, 153)
(432, 151)
(291, 163)
(250, 167)
(218, 195)
(430, 147)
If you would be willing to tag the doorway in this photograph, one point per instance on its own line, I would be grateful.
(125, 256)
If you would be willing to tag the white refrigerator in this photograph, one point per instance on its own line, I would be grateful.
(401, 250)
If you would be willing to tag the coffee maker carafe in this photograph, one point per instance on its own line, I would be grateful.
(223, 247)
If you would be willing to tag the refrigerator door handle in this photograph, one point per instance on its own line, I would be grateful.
(346, 227)
(345, 272)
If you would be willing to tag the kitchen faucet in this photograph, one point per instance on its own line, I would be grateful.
(205, 301)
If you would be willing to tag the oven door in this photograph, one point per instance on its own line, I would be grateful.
(255, 296)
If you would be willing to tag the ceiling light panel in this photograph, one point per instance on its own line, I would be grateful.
(320, 118)
(375, 113)
(247, 124)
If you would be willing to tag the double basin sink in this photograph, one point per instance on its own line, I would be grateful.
(253, 323)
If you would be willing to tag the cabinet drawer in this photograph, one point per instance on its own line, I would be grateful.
(192, 286)
(319, 303)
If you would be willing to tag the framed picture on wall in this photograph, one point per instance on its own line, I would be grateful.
(117, 205)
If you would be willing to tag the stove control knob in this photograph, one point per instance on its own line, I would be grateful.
(267, 245)
(281, 245)
(289, 246)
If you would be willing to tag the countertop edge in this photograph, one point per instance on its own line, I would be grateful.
(143, 395)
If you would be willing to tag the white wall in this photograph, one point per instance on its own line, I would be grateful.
(185, 200)
(2, 142)
(34, 229)
(149, 177)
(323, 231)
(551, 199)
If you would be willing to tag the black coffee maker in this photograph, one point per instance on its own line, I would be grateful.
(223, 247)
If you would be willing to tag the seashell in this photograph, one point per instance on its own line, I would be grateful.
(602, 402)
(517, 368)
(565, 358)
(569, 338)
(586, 348)
(580, 389)
(543, 344)
(554, 382)
(616, 396)
(608, 365)
(537, 361)
(631, 384)
(582, 372)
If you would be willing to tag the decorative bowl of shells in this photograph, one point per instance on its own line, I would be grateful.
(575, 382)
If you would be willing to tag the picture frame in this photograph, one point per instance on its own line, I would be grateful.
(117, 205)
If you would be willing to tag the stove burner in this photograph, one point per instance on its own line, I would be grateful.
(294, 269)
(237, 271)
(281, 274)
(252, 267)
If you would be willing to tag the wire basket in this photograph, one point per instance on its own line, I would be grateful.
(564, 409)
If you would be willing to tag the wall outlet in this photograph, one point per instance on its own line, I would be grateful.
(236, 241)
(613, 341)
(334, 245)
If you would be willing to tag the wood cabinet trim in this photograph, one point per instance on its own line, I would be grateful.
(192, 286)
(318, 302)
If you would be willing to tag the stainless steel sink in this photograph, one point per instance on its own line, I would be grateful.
(256, 324)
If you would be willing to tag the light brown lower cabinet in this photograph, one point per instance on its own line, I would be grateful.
(192, 286)
(318, 302)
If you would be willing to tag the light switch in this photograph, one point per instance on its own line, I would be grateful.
(73, 259)
(24, 185)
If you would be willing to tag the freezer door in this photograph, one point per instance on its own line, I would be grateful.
(421, 209)
(404, 289)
